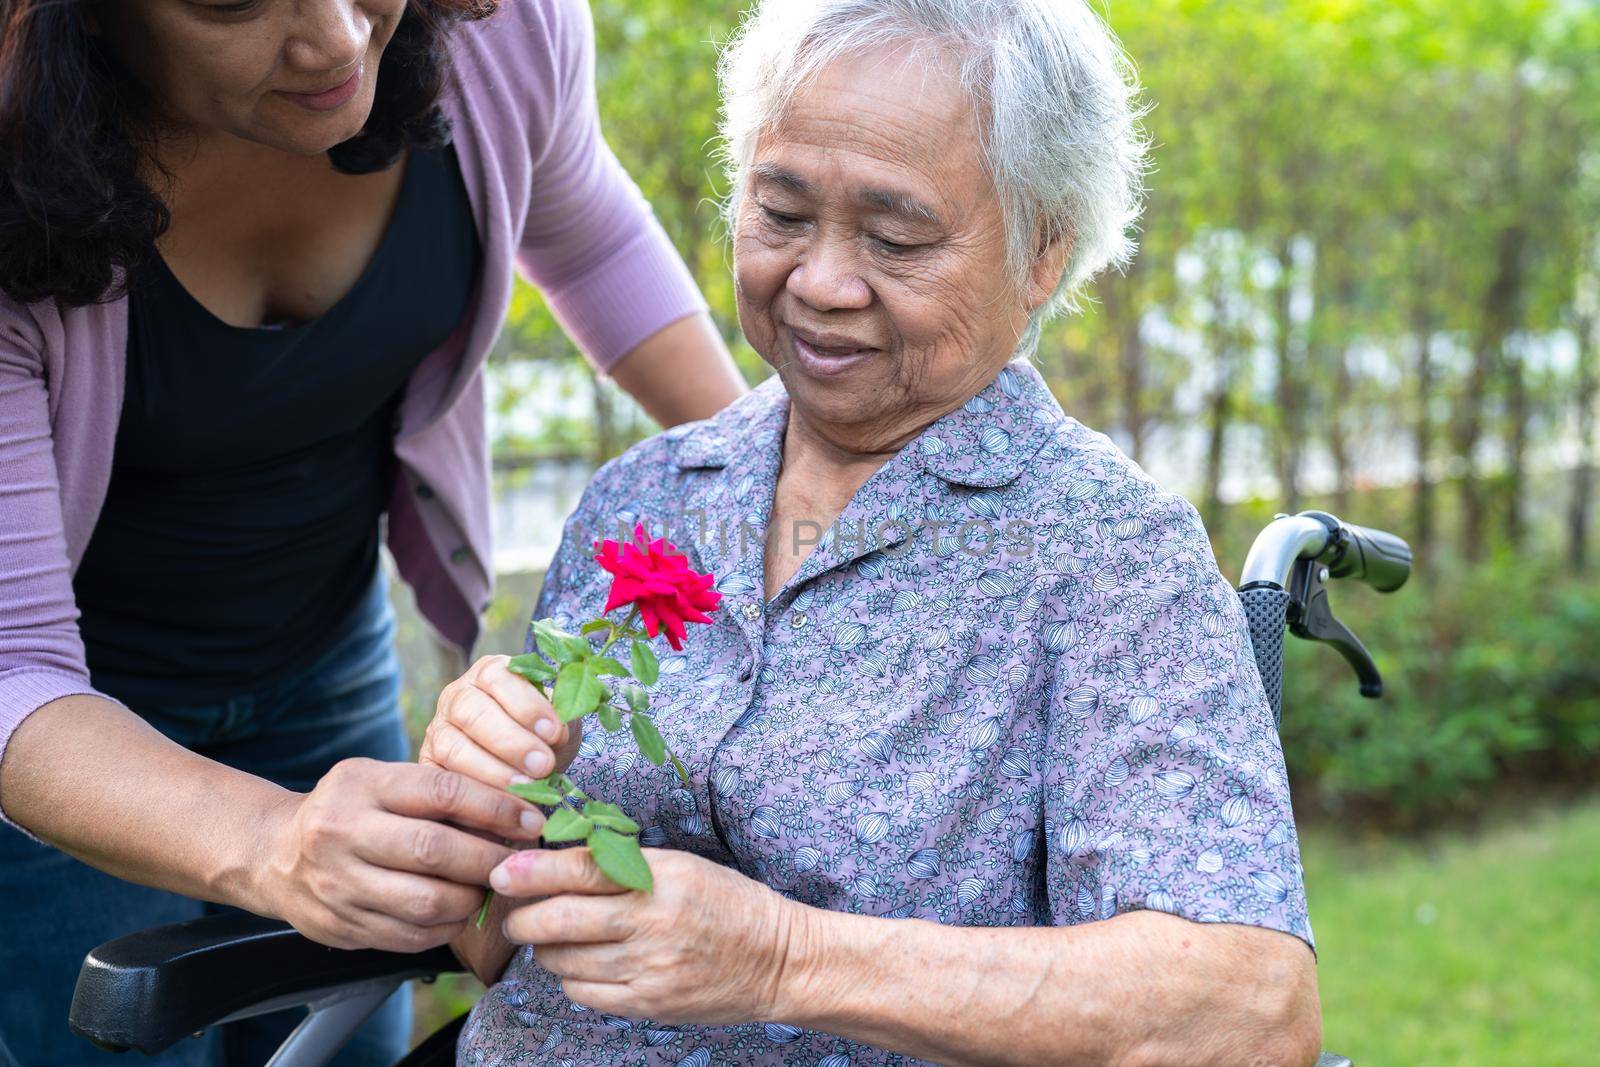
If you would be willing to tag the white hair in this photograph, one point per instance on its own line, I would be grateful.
(1055, 95)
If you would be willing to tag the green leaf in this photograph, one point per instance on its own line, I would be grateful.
(541, 792)
(532, 667)
(550, 641)
(595, 627)
(578, 691)
(649, 739)
(566, 825)
(677, 766)
(638, 700)
(570, 787)
(558, 645)
(610, 816)
(610, 718)
(621, 858)
(646, 667)
(604, 665)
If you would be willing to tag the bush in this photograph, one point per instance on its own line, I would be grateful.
(1491, 676)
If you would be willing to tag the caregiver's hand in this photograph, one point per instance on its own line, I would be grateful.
(493, 726)
(708, 946)
(372, 857)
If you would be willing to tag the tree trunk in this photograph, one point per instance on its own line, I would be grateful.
(1219, 410)
(1119, 296)
(1338, 436)
(605, 423)
(1516, 432)
(1580, 509)
(1286, 426)
(1422, 423)
(1499, 312)
(1501, 302)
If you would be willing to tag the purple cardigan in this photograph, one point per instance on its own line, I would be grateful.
(548, 196)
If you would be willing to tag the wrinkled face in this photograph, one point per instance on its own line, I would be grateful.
(297, 75)
(870, 251)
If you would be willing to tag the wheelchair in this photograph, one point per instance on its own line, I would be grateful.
(152, 989)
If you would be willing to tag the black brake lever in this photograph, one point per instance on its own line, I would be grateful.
(1311, 617)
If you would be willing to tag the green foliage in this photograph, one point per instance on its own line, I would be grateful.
(1340, 187)
(578, 667)
(610, 816)
(619, 856)
(566, 825)
(578, 690)
(1490, 673)
(541, 792)
(646, 667)
(531, 667)
(649, 740)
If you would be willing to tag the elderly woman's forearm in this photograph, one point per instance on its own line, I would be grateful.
(1141, 989)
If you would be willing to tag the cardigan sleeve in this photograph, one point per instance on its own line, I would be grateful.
(590, 240)
(41, 653)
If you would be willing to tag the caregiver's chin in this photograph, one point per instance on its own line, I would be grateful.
(871, 270)
(261, 71)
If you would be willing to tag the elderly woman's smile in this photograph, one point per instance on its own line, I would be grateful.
(870, 254)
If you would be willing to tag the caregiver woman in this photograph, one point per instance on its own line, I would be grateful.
(255, 255)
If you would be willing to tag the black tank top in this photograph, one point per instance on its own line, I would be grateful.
(252, 466)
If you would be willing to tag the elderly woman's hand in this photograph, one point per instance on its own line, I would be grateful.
(708, 946)
(493, 726)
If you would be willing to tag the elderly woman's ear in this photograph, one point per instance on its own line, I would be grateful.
(1049, 267)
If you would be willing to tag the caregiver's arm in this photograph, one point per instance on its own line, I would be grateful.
(1142, 988)
(363, 859)
(592, 244)
(359, 861)
(681, 373)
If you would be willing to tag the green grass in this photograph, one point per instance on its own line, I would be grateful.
(1475, 950)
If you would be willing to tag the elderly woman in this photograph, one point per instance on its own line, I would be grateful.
(984, 774)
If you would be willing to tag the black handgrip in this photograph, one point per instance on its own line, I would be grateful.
(1265, 609)
(1380, 559)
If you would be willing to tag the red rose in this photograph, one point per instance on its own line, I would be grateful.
(656, 577)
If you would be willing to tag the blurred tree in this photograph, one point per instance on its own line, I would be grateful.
(1369, 228)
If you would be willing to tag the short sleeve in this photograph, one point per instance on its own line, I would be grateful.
(590, 240)
(1165, 782)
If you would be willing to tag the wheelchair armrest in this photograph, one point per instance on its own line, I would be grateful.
(151, 989)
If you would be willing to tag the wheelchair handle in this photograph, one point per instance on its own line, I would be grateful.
(1283, 584)
(1375, 557)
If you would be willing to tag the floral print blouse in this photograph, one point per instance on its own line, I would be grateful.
(1009, 687)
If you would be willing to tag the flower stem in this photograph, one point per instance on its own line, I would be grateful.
(618, 631)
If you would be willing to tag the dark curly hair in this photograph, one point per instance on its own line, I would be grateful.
(75, 218)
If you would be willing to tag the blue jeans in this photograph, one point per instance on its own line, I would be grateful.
(53, 909)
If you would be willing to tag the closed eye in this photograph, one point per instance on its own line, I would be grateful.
(233, 9)
(780, 218)
(895, 248)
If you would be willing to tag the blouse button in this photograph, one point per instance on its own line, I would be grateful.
(752, 612)
(799, 620)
